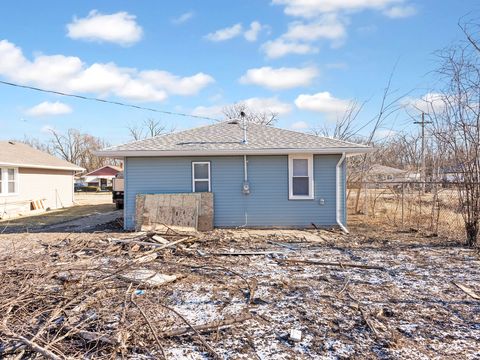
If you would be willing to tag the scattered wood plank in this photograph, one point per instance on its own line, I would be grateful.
(148, 277)
(467, 290)
(146, 258)
(247, 253)
(160, 239)
(288, 246)
(325, 263)
(146, 243)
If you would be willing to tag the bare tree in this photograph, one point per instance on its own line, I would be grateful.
(345, 128)
(78, 148)
(147, 129)
(259, 117)
(456, 125)
(390, 104)
(37, 144)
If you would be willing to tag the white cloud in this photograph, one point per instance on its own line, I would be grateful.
(300, 35)
(313, 8)
(271, 104)
(279, 78)
(252, 33)
(177, 85)
(71, 74)
(279, 48)
(428, 103)
(215, 111)
(120, 28)
(398, 12)
(326, 27)
(300, 125)
(226, 33)
(183, 18)
(323, 102)
(47, 108)
(256, 104)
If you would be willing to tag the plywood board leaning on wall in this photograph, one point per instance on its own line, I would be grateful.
(181, 212)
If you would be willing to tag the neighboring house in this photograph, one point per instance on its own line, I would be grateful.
(383, 173)
(277, 178)
(101, 177)
(452, 173)
(31, 179)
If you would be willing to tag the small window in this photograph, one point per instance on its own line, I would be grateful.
(300, 168)
(8, 181)
(201, 176)
(12, 181)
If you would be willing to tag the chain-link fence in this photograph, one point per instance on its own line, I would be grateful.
(432, 207)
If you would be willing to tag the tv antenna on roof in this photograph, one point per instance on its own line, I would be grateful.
(244, 126)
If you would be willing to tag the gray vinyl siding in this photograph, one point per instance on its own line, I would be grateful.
(268, 203)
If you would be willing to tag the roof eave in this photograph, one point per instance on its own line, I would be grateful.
(351, 151)
(48, 167)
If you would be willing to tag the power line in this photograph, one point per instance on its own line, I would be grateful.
(109, 102)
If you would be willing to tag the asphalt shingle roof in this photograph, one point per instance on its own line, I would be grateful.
(21, 155)
(227, 136)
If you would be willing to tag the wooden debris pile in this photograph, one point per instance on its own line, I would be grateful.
(242, 294)
(99, 298)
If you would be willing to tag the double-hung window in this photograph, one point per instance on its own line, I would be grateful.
(201, 176)
(8, 181)
(300, 179)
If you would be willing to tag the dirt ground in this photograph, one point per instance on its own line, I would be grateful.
(374, 293)
(90, 210)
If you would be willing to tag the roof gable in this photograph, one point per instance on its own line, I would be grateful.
(107, 170)
(227, 137)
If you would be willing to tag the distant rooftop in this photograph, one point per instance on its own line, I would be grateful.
(18, 154)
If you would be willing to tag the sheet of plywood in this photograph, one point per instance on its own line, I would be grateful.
(181, 212)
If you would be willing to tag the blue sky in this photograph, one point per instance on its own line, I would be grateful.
(306, 62)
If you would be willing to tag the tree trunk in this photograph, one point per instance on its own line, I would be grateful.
(472, 232)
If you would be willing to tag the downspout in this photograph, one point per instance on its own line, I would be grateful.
(245, 171)
(338, 194)
(245, 179)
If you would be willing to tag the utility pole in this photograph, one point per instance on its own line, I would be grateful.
(423, 176)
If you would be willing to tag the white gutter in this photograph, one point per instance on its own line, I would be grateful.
(338, 194)
(196, 152)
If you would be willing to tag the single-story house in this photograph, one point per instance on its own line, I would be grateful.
(260, 176)
(382, 173)
(452, 173)
(101, 177)
(31, 179)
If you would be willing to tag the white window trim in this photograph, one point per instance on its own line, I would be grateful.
(311, 194)
(4, 186)
(193, 175)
